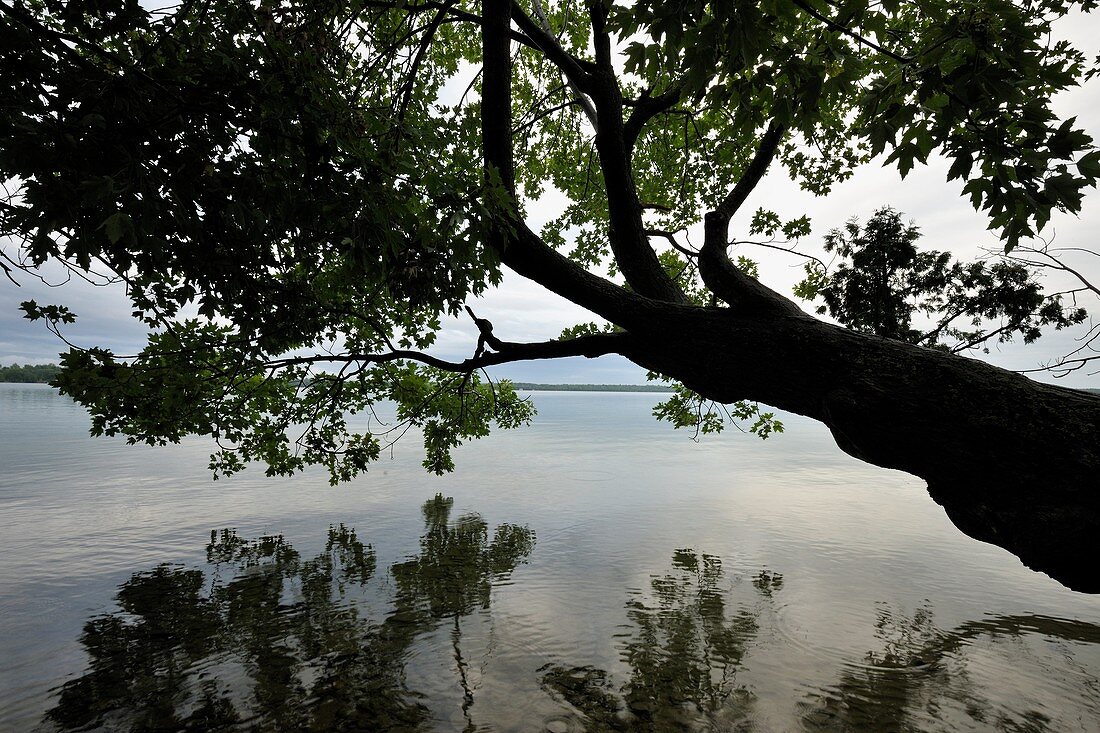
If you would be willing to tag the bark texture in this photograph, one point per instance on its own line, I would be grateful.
(1013, 462)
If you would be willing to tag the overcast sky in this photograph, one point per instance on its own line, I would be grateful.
(523, 311)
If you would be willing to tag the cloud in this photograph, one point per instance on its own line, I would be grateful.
(103, 318)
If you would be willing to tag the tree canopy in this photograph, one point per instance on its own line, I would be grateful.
(295, 193)
(883, 279)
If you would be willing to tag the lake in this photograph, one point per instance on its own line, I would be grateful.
(597, 571)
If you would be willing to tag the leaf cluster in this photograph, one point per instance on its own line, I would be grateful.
(261, 165)
(289, 414)
(688, 409)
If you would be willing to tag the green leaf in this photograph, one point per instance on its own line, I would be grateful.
(115, 226)
(1089, 164)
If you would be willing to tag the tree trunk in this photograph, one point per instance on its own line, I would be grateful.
(1014, 462)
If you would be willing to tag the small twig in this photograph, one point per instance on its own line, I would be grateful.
(789, 251)
(670, 236)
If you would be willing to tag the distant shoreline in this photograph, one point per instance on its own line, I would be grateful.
(28, 373)
(532, 387)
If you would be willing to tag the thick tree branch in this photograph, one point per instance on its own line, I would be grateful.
(646, 108)
(601, 40)
(496, 105)
(629, 244)
(529, 256)
(755, 170)
(520, 248)
(721, 276)
(582, 97)
(505, 352)
(576, 70)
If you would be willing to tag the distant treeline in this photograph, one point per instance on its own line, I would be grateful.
(592, 387)
(40, 373)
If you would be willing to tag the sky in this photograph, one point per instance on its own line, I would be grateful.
(523, 311)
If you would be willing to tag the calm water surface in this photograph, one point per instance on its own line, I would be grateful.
(596, 572)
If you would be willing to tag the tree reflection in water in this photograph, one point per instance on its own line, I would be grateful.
(904, 686)
(686, 646)
(281, 645)
(265, 640)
